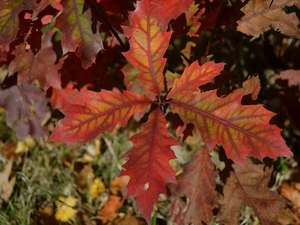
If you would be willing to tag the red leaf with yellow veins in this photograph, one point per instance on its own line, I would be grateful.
(148, 165)
(242, 130)
(148, 44)
(77, 35)
(96, 112)
(194, 76)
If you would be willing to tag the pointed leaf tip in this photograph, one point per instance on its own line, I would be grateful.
(148, 165)
(196, 75)
(241, 129)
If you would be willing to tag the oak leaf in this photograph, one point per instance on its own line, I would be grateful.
(260, 15)
(250, 186)
(41, 67)
(241, 129)
(9, 20)
(96, 112)
(148, 165)
(77, 33)
(197, 182)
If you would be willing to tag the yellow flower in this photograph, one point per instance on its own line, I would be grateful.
(96, 188)
(64, 210)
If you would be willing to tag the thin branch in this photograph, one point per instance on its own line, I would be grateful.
(100, 15)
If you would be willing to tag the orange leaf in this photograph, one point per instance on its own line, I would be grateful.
(196, 75)
(148, 44)
(110, 207)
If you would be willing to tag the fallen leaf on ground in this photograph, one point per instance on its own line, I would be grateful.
(6, 185)
(129, 220)
(96, 188)
(110, 207)
(25, 145)
(65, 210)
(118, 185)
(292, 192)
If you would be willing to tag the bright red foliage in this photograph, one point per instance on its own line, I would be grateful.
(148, 165)
(143, 83)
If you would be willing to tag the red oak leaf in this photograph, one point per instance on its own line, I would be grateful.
(96, 112)
(148, 44)
(194, 76)
(197, 182)
(39, 67)
(241, 129)
(77, 34)
(61, 98)
(26, 107)
(148, 165)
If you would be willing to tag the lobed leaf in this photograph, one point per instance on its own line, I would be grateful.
(93, 113)
(242, 130)
(9, 20)
(197, 182)
(75, 25)
(26, 107)
(148, 165)
(41, 67)
(250, 186)
(148, 44)
(260, 15)
(194, 76)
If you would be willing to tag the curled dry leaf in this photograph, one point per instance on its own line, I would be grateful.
(292, 192)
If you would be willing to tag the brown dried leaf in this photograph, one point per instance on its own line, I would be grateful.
(260, 15)
(250, 186)
(292, 192)
(6, 185)
(198, 178)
